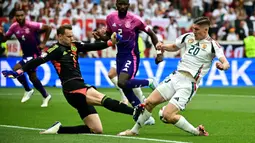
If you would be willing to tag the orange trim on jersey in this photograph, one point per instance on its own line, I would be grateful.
(81, 91)
(57, 65)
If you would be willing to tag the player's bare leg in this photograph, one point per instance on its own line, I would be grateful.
(170, 114)
(112, 74)
(38, 85)
(23, 80)
(153, 100)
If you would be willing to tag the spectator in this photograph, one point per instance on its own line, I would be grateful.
(223, 31)
(38, 5)
(172, 29)
(232, 35)
(248, 6)
(77, 31)
(252, 19)
(13, 11)
(241, 30)
(8, 5)
(32, 11)
(54, 27)
(149, 11)
(241, 14)
(173, 12)
(213, 29)
(197, 8)
(249, 45)
(230, 16)
(219, 12)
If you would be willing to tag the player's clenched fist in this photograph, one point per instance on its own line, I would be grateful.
(159, 46)
(159, 58)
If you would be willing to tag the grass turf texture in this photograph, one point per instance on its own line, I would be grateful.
(227, 113)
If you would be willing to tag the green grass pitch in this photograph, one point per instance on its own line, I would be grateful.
(227, 113)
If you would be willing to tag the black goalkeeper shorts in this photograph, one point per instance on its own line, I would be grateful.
(77, 98)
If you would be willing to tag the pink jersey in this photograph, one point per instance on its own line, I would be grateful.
(128, 28)
(28, 37)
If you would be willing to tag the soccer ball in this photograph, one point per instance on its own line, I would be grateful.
(160, 113)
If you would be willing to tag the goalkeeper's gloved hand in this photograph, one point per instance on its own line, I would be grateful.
(116, 38)
(12, 74)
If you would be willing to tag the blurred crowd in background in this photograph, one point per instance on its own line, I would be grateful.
(231, 20)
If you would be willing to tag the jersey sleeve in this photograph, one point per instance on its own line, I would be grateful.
(10, 31)
(53, 53)
(86, 47)
(218, 50)
(142, 25)
(180, 41)
(36, 26)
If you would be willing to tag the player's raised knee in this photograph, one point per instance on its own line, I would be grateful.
(122, 84)
(169, 118)
(111, 75)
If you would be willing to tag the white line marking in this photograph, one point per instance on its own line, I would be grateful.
(148, 93)
(19, 127)
(100, 135)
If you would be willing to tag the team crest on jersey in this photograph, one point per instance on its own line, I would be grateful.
(191, 41)
(27, 30)
(73, 48)
(204, 46)
(128, 24)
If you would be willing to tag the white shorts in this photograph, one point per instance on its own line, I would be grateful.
(177, 89)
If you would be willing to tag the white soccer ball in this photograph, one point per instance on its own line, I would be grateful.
(160, 113)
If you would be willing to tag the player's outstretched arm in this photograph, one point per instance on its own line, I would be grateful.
(31, 64)
(45, 29)
(52, 53)
(170, 47)
(86, 47)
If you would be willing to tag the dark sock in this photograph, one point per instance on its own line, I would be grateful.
(132, 98)
(23, 80)
(38, 85)
(74, 130)
(116, 106)
(134, 83)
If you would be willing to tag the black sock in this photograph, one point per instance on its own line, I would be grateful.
(74, 130)
(116, 106)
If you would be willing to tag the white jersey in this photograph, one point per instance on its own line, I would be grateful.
(198, 55)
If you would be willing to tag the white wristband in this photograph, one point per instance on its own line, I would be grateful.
(159, 52)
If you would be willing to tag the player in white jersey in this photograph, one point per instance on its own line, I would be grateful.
(180, 86)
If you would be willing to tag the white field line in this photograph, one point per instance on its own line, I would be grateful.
(100, 135)
(145, 93)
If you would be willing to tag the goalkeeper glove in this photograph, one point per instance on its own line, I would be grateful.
(12, 74)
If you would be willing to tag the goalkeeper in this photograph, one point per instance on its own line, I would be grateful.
(64, 57)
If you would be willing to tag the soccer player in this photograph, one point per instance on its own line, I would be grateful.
(64, 57)
(181, 85)
(28, 33)
(112, 74)
(127, 26)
